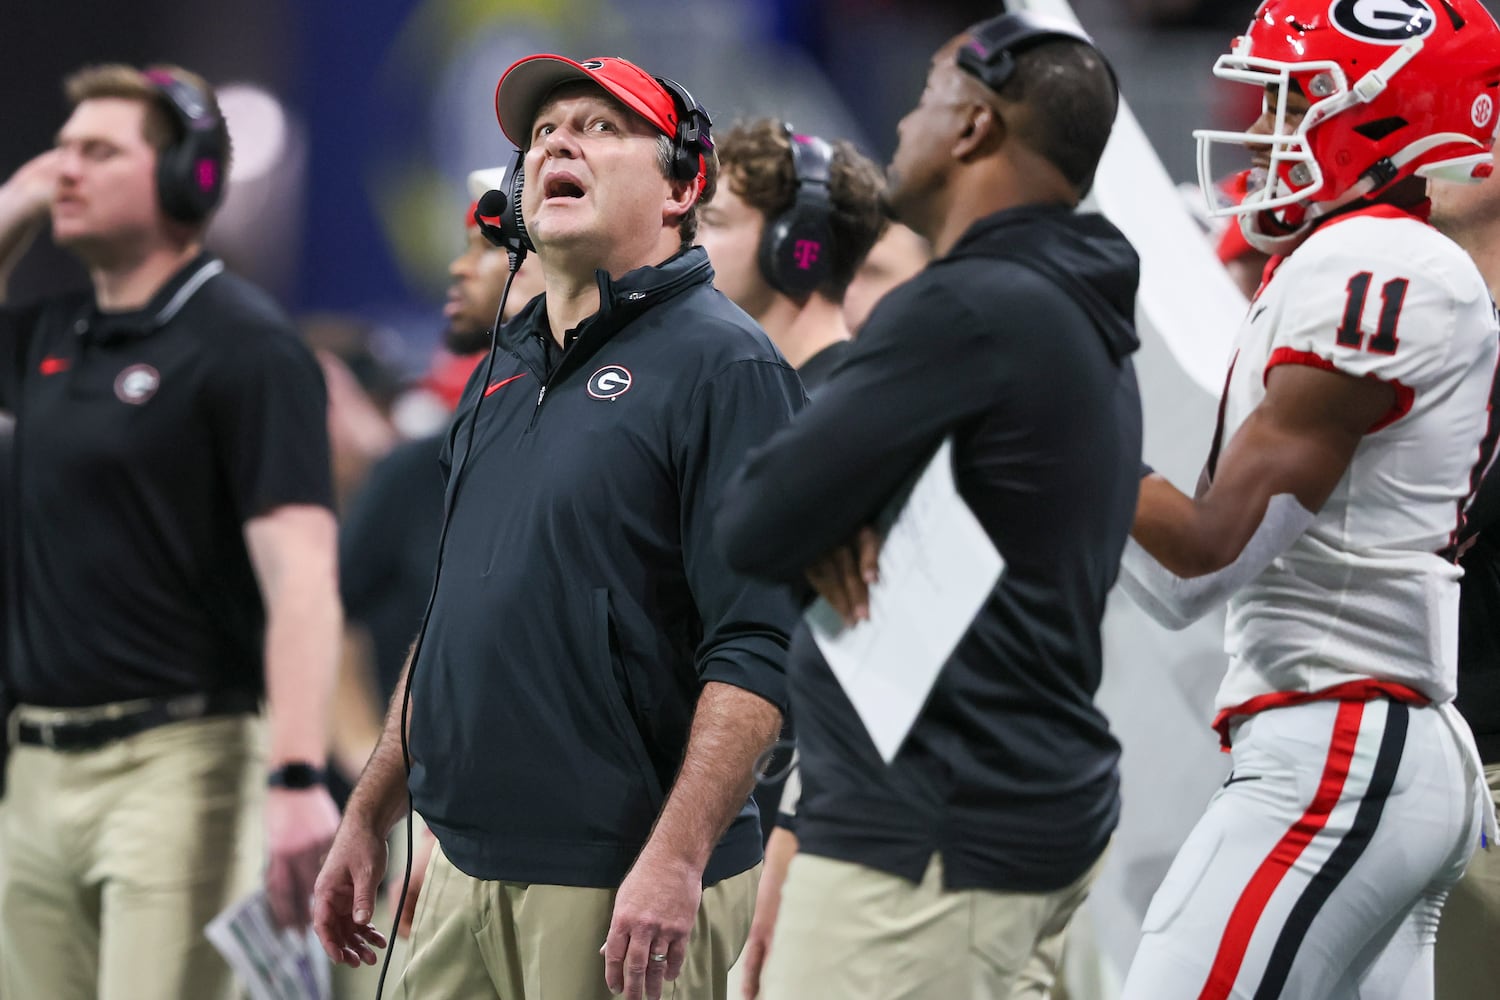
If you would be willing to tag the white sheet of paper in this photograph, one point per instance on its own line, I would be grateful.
(271, 964)
(937, 568)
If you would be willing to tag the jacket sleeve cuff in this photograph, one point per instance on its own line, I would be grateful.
(755, 663)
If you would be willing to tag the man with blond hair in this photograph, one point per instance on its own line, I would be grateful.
(175, 563)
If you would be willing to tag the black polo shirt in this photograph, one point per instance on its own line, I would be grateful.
(387, 550)
(144, 442)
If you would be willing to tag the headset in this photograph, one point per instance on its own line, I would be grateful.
(498, 213)
(990, 55)
(501, 223)
(694, 138)
(189, 171)
(796, 247)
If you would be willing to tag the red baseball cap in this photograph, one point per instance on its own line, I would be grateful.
(527, 83)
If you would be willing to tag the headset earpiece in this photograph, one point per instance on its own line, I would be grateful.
(190, 171)
(498, 213)
(694, 138)
(796, 246)
(990, 54)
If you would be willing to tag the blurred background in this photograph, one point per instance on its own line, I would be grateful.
(356, 123)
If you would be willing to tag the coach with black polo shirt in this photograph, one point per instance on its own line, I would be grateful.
(175, 562)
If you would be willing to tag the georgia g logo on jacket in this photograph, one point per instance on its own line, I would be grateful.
(609, 382)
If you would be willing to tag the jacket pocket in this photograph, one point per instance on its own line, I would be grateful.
(610, 672)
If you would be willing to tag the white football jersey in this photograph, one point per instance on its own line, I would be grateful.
(1371, 589)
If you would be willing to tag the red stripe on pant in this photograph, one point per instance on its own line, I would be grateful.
(1258, 891)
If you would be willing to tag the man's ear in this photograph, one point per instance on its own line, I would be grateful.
(983, 130)
(681, 199)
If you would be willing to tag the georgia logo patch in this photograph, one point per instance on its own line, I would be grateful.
(136, 384)
(609, 382)
(1383, 22)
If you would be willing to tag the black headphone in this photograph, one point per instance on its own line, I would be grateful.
(991, 53)
(694, 138)
(796, 246)
(498, 213)
(189, 171)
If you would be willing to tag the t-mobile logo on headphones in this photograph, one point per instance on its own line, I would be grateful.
(806, 253)
(207, 173)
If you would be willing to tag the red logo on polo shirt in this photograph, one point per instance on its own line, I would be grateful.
(52, 366)
(137, 384)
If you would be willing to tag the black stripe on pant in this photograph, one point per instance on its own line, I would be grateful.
(1320, 887)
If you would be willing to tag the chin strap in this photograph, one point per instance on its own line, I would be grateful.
(1278, 237)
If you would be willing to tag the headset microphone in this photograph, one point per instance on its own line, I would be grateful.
(498, 214)
(490, 216)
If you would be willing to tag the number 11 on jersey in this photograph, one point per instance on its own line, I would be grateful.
(1392, 295)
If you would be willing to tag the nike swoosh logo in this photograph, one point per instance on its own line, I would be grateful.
(504, 381)
(1247, 777)
(1256, 315)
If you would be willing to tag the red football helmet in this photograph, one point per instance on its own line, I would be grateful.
(1395, 88)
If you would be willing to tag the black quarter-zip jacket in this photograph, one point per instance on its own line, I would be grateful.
(1017, 343)
(582, 602)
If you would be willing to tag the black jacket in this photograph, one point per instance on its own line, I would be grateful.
(581, 602)
(1479, 621)
(1017, 343)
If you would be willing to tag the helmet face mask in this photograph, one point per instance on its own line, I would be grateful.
(1394, 88)
(1293, 175)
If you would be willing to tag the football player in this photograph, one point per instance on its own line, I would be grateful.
(1354, 426)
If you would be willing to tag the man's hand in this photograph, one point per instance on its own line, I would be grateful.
(33, 185)
(654, 914)
(843, 577)
(344, 897)
(300, 824)
(25, 199)
(421, 856)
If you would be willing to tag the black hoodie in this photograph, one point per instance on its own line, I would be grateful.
(582, 603)
(1017, 343)
(1479, 621)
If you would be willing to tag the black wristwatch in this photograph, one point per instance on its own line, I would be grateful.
(297, 774)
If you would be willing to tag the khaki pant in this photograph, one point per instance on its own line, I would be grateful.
(478, 940)
(117, 858)
(847, 932)
(1468, 942)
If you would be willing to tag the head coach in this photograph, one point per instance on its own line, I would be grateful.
(594, 683)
